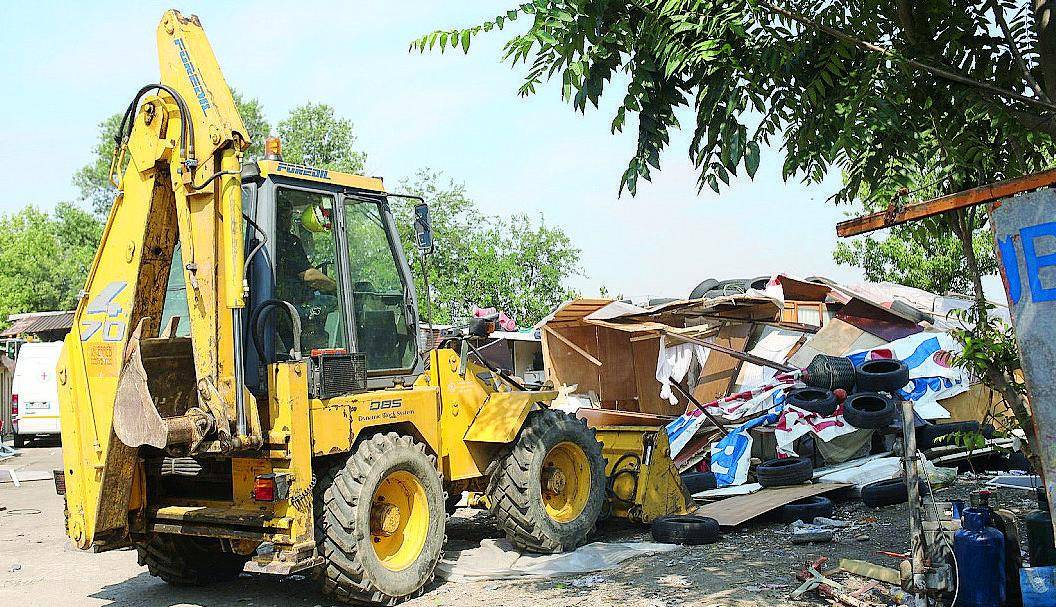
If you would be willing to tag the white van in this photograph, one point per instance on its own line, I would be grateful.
(34, 391)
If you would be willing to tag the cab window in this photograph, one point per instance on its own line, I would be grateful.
(306, 270)
(383, 331)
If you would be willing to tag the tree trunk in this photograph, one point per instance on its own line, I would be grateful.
(963, 226)
(1045, 29)
(997, 379)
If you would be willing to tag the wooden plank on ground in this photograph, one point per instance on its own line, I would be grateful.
(736, 510)
(871, 571)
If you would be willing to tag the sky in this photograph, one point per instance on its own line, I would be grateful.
(66, 66)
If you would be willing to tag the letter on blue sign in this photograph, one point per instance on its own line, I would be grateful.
(1035, 263)
(1010, 260)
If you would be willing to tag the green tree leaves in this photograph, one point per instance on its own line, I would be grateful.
(257, 125)
(45, 257)
(750, 75)
(516, 264)
(314, 135)
(93, 178)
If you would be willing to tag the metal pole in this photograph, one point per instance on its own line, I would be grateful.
(916, 527)
(751, 358)
(696, 403)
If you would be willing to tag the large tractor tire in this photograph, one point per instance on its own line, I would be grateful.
(184, 560)
(380, 522)
(547, 489)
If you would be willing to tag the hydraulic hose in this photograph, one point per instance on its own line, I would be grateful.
(257, 323)
(186, 126)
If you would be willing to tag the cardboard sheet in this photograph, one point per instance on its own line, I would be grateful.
(736, 510)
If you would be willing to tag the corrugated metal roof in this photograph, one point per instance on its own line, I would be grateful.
(38, 323)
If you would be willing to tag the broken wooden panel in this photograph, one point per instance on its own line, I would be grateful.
(618, 383)
(733, 511)
(720, 370)
(837, 338)
(570, 353)
(877, 320)
(646, 352)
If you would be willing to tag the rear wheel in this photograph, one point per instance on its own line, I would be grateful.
(20, 441)
(380, 522)
(547, 490)
(184, 560)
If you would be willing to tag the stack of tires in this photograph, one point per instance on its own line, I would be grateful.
(866, 391)
(873, 405)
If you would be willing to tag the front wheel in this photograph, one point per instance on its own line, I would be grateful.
(547, 489)
(380, 522)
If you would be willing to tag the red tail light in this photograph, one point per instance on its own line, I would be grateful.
(14, 405)
(264, 488)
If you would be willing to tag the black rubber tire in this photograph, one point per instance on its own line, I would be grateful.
(881, 375)
(20, 441)
(451, 501)
(885, 493)
(184, 560)
(730, 287)
(933, 435)
(1018, 461)
(515, 492)
(815, 400)
(352, 572)
(696, 482)
(830, 372)
(784, 472)
(685, 530)
(806, 509)
(869, 410)
(759, 283)
(705, 286)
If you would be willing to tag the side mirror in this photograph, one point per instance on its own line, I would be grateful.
(423, 229)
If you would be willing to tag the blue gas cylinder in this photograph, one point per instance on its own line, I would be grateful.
(980, 552)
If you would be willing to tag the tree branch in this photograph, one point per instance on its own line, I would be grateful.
(1034, 122)
(941, 73)
(1045, 32)
(999, 16)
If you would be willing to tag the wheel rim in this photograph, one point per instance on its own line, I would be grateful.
(399, 520)
(565, 482)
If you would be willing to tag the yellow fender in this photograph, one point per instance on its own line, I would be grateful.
(502, 415)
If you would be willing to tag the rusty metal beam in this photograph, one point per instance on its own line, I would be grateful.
(943, 204)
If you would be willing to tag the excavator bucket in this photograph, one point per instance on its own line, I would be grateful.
(136, 418)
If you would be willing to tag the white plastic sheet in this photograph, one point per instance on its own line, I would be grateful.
(500, 560)
(869, 472)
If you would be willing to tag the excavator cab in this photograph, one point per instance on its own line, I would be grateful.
(326, 244)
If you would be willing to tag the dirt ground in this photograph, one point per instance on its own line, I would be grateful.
(751, 565)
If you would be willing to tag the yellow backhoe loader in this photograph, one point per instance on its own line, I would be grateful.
(246, 386)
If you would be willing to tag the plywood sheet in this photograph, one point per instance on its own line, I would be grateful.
(617, 368)
(645, 355)
(736, 510)
(969, 406)
(565, 366)
(835, 339)
(717, 376)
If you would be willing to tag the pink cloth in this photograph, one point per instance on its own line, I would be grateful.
(505, 322)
